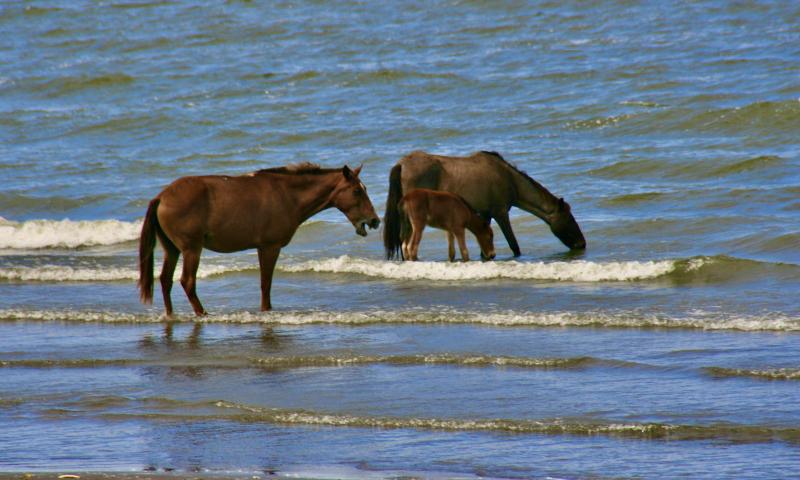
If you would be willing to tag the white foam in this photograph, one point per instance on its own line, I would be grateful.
(59, 273)
(575, 271)
(777, 322)
(38, 234)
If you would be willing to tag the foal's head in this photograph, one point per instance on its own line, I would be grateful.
(482, 229)
(350, 197)
(564, 226)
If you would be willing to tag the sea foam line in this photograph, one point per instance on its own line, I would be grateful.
(60, 273)
(777, 322)
(576, 271)
(39, 234)
(557, 426)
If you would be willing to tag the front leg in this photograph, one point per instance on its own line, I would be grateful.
(462, 245)
(267, 257)
(451, 249)
(505, 226)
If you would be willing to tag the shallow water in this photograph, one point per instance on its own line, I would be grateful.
(667, 349)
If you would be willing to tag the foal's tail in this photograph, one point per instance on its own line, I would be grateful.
(147, 243)
(392, 219)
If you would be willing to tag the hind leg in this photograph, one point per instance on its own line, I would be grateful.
(416, 238)
(451, 250)
(191, 261)
(171, 255)
(405, 237)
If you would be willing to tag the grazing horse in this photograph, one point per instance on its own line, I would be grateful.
(489, 184)
(260, 210)
(449, 212)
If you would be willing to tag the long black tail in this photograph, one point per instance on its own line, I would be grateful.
(147, 243)
(392, 220)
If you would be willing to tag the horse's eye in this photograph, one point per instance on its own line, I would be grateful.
(358, 192)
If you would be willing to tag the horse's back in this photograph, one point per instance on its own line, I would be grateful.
(436, 208)
(219, 211)
(481, 178)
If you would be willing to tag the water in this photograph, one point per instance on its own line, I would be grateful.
(668, 349)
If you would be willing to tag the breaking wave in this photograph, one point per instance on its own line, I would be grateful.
(576, 271)
(40, 234)
(696, 320)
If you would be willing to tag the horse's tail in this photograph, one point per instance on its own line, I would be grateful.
(392, 219)
(147, 243)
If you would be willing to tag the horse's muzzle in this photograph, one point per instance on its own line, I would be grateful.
(361, 226)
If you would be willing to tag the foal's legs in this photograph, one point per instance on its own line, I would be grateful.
(267, 256)
(505, 227)
(462, 245)
(417, 227)
(451, 251)
(171, 255)
(191, 260)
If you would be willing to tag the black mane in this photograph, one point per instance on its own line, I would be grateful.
(302, 168)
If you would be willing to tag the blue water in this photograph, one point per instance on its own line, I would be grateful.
(669, 348)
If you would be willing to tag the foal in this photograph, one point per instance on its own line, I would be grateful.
(446, 211)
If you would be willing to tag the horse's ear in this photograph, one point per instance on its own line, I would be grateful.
(358, 170)
(562, 205)
(348, 174)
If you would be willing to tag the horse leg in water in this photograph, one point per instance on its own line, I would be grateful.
(267, 256)
(462, 245)
(417, 226)
(451, 251)
(505, 227)
(171, 254)
(191, 260)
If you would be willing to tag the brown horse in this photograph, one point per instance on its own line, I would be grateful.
(446, 211)
(489, 184)
(260, 210)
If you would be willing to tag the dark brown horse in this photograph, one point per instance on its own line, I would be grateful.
(489, 184)
(449, 212)
(260, 210)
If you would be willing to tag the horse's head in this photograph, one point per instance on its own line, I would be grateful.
(482, 229)
(350, 197)
(564, 226)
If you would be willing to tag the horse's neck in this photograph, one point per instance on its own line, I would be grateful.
(311, 193)
(533, 197)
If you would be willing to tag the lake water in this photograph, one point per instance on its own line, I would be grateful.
(669, 348)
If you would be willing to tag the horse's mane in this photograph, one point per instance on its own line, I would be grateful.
(513, 167)
(302, 168)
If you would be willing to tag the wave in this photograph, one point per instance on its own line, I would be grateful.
(112, 407)
(558, 426)
(431, 359)
(765, 165)
(319, 361)
(765, 374)
(71, 84)
(766, 117)
(696, 320)
(579, 271)
(575, 271)
(59, 273)
(40, 234)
